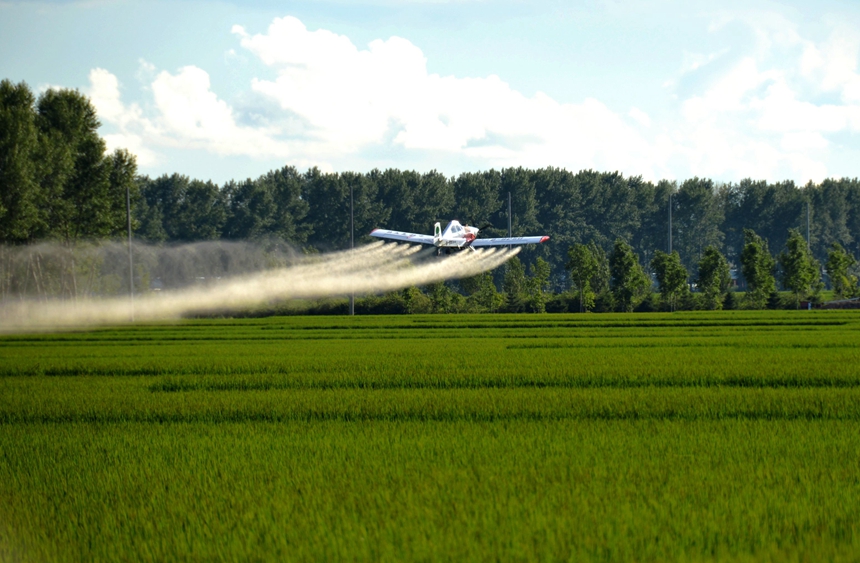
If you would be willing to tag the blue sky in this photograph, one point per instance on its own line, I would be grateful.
(229, 90)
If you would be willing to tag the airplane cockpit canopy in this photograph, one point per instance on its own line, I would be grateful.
(454, 229)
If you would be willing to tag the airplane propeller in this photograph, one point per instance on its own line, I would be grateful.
(486, 225)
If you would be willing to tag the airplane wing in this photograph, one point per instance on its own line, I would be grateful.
(507, 241)
(401, 236)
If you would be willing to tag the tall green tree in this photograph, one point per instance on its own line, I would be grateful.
(757, 266)
(328, 212)
(442, 298)
(520, 183)
(615, 207)
(671, 275)
(600, 280)
(714, 277)
(538, 285)
(252, 211)
(488, 296)
(697, 218)
(630, 284)
(485, 296)
(560, 209)
(766, 208)
(178, 209)
(434, 201)
(370, 212)
(801, 273)
(415, 201)
(839, 265)
(398, 190)
(290, 219)
(20, 215)
(147, 212)
(477, 197)
(583, 266)
(514, 285)
(830, 214)
(652, 202)
(76, 184)
(852, 201)
(202, 212)
(416, 301)
(122, 176)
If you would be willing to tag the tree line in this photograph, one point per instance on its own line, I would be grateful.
(311, 209)
(59, 183)
(620, 282)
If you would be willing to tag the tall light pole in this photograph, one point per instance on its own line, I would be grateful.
(351, 245)
(130, 262)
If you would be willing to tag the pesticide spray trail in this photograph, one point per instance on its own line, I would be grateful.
(374, 268)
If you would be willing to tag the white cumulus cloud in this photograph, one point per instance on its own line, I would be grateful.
(128, 121)
(353, 99)
(328, 102)
(187, 115)
(764, 116)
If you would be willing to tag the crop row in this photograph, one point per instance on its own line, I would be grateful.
(30, 400)
(393, 491)
(754, 361)
(411, 326)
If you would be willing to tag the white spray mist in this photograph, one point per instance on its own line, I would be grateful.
(374, 268)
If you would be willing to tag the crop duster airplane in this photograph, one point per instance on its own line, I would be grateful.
(454, 237)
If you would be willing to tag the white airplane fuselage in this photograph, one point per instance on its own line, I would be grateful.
(455, 235)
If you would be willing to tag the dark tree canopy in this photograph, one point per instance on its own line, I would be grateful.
(58, 182)
(20, 214)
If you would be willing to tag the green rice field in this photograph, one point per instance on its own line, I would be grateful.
(701, 436)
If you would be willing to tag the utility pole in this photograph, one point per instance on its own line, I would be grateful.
(509, 218)
(670, 222)
(351, 245)
(130, 262)
(808, 244)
